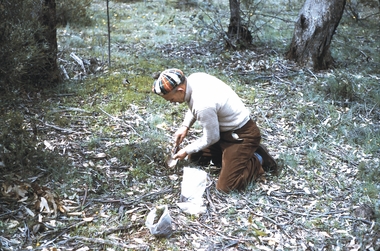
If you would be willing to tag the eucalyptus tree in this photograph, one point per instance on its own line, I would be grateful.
(238, 34)
(314, 29)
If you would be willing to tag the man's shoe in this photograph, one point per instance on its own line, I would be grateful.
(269, 164)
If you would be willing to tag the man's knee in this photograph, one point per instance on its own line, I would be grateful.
(228, 185)
(222, 187)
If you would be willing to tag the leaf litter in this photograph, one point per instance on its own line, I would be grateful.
(313, 205)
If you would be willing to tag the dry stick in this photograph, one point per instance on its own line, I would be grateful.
(311, 215)
(281, 80)
(267, 218)
(281, 208)
(371, 109)
(219, 233)
(358, 219)
(312, 73)
(58, 128)
(62, 232)
(99, 241)
(124, 228)
(85, 195)
(339, 156)
(209, 198)
(373, 14)
(135, 200)
(117, 119)
(70, 109)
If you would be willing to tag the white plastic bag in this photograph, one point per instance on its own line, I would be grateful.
(159, 222)
(193, 186)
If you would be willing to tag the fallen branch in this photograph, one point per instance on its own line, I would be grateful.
(85, 195)
(267, 218)
(62, 232)
(117, 119)
(71, 109)
(124, 228)
(58, 128)
(219, 233)
(131, 202)
(99, 241)
(209, 199)
(79, 61)
(358, 219)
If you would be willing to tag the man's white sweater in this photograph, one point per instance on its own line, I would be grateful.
(215, 106)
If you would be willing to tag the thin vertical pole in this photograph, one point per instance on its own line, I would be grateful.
(109, 35)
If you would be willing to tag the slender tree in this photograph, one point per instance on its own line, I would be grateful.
(48, 19)
(238, 34)
(314, 29)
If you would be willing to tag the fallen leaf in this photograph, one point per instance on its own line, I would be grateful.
(75, 213)
(139, 240)
(83, 249)
(325, 234)
(100, 156)
(44, 205)
(12, 223)
(162, 126)
(88, 219)
(30, 212)
(20, 190)
(48, 145)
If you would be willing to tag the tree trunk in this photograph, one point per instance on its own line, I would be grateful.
(314, 29)
(238, 34)
(48, 19)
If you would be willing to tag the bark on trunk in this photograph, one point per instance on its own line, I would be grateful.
(238, 34)
(48, 19)
(314, 29)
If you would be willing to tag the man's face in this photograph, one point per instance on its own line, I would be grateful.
(177, 95)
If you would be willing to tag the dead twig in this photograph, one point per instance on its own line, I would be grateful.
(265, 217)
(58, 128)
(358, 219)
(70, 109)
(124, 228)
(131, 202)
(219, 233)
(120, 120)
(85, 194)
(99, 241)
(209, 198)
(62, 232)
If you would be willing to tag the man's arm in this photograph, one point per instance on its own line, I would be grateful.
(189, 119)
(210, 128)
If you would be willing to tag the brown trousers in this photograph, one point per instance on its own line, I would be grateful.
(239, 164)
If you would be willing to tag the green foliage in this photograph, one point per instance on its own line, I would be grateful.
(21, 150)
(139, 157)
(369, 172)
(18, 145)
(94, 143)
(340, 88)
(74, 12)
(25, 52)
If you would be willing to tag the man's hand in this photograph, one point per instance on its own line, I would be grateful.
(180, 135)
(181, 154)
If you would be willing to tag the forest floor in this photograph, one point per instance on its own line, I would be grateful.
(104, 137)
